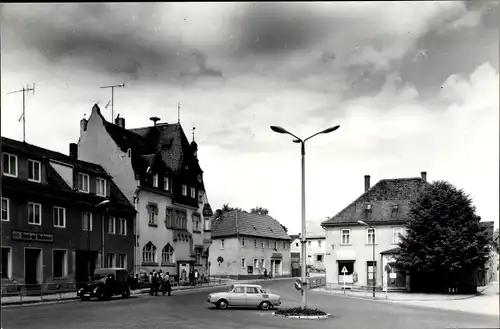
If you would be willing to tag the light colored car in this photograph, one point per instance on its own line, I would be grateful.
(247, 295)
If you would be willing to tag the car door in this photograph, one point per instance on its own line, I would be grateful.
(237, 296)
(253, 297)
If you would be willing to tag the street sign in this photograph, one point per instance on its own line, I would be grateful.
(298, 284)
(344, 271)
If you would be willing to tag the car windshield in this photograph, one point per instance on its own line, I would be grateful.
(99, 277)
(263, 291)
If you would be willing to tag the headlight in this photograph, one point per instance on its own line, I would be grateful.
(209, 296)
(95, 290)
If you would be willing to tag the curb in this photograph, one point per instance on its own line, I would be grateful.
(304, 317)
(74, 298)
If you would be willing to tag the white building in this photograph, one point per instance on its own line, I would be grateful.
(158, 170)
(315, 245)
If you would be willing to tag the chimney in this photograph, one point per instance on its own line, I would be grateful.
(120, 122)
(83, 126)
(73, 150)
(367, 182)
(424, 175)
(154, 119)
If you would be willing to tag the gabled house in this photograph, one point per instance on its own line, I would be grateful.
(246, 244)
(158, 171)
(349, 253)
(61, 218)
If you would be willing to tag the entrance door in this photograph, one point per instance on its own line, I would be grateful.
(277, 268)
(346, 266)
(32, 265)
(371, 274)
(85, 264)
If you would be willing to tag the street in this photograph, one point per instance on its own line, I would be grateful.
(188, 309)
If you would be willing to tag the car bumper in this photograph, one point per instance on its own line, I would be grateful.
(88, 294)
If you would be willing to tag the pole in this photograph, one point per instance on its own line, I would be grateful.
(373, 264)
(304, 250)
(24, 116)
(112, 104)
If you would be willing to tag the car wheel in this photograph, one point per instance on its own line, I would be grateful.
(83, 298)
(265, 306)
(126, 294)
(222, 304)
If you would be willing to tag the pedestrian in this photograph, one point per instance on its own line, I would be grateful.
(265, 274)
(151, 283)
(166, 287)
(196, 276)
(191, 277)
(155, 283)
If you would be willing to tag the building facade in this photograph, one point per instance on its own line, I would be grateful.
(315, 248)
(244, 245)
(365, 256)
(158, 171)
(61, 217)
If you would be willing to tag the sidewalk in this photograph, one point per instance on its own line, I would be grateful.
(486, 301)
(71, 296)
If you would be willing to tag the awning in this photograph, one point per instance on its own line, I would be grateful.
(391, 251)
(276, 256)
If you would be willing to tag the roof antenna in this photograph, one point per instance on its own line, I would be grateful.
(25, 92)
(178, 112)
(193, 131)
(113, 97)
(154, 119)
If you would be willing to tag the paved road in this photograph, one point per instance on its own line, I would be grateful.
(189, 310)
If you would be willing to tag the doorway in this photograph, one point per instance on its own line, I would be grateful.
(371, 273)
(6, 263)
(345, 271)
(85, 264)
(32, 265)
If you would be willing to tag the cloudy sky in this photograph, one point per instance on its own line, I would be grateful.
(414, 87)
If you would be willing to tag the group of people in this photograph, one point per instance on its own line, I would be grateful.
(158, 281)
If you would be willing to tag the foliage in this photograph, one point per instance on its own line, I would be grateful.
(227, 208)
(443, 234)
(299, 311)
(259, 210)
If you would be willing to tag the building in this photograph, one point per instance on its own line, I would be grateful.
(245, 244)
(158, 171)
(315, 246)
(349, 253)
(490, 272)
(61, 217)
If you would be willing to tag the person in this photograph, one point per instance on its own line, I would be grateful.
(196, 276)
(265, 273)
(151, 283)
(155, 283)
(166, 286)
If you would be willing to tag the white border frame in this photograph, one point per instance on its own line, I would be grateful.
(41, 209)
(8, 210)
(374, 238)
(53, 218)
(17, 165)
(39, 180)
(78, 180)
(342, 234)
(97, 181)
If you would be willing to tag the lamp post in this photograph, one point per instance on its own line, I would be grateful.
(281, 130)
(99, 205)
(373, 254)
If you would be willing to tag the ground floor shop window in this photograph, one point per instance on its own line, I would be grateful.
(59, 260)
(6, 262)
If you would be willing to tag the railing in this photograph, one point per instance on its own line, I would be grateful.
(339, 287)
(316, 282)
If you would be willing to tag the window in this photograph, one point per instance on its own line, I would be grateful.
(59, 216)
(111, 225)
(252, 290)
(149, 253)
(167, 254)
(396, 232)
(34, 171)
(242, 242)
(222, 244)
(262, 263)
(180, 220)
(184, 190)
(166, 184)
(243, 263)
(284, 245)
(255, 243)
(268, 244)
(319, 243)
(198, 252)
(5, 209)
(370, 236)
(193, 192)
(6, 263)
(239, 290)
(319, 258)
(196, 222)
(59, 264)
(152, 214)
(34, 213)
(346, 236)
(122, 260)
(275, 245)
(296, 244)
(9, 165)
(101, 187)
(111, 260)
(83, 182)
(155, 180)
(255, 263)
(86, 221)
(122, 226)
(262, 244)
(207, 224)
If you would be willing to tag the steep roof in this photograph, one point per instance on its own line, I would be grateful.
(389, 201)
(242, 223)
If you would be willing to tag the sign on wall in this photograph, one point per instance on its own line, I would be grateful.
(31, 236)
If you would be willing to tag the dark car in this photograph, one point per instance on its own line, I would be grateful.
(106, 283)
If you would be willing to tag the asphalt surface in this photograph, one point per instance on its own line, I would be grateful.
(188, 309)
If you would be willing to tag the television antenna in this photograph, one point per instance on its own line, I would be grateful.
(25, 91)
(113, 97)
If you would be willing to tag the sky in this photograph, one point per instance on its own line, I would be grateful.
(413, 85)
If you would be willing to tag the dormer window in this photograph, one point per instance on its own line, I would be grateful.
(83, 182)
(166, 184)
(34, 169)
(101, 187)
(193, 192)
(155, 180)
(184, 190)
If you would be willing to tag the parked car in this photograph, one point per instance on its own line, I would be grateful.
(247, 295)
(106, 283)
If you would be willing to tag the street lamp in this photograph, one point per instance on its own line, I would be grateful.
(373, 254)
(97, 206)
(281, 130)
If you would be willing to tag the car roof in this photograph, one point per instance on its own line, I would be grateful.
(108, 270)
(246, 285)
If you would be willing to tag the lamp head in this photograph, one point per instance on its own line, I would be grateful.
(279, 130)
(329, 130)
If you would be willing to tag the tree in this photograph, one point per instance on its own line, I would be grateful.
(259, 210)
(227, 208)
(443, 235)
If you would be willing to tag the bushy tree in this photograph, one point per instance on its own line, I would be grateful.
(259, 210)
(443, 234)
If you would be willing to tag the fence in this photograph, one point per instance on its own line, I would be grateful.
(348, 288)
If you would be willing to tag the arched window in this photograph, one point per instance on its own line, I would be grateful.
(149, 253)
(167, 254)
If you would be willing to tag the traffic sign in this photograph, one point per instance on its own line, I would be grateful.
(344, 270)
(298, 284)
